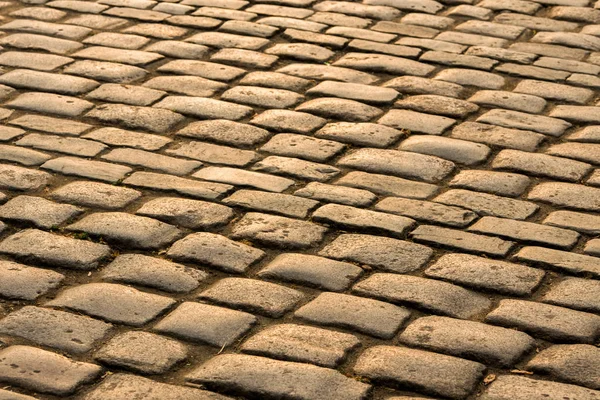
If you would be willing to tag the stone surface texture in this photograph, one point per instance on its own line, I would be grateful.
(300, 199)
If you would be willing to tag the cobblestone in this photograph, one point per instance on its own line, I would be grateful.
(488, 204)
(521, 388)
(574, 293)
(26, 283)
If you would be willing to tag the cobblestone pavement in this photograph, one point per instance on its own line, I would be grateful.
(300, 199)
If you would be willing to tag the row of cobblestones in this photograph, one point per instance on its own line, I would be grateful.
(300, 199)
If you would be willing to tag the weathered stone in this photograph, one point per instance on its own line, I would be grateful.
(50, 103)
(488, 204)
(354, 91)
(326, 72)
(546, 321)
(204, 108)
(203, 69)
(512, 387)
(263, 298)
(483, 273)
(388, 185)
(361, 134)
(68, 145)
(469, 77)
(106, 71)
(153, 272)
(55, 250)
(58, 329)
(336, 194)
(261, 377)
(278, 203)
(114, 303)
(459, 151)
(244, 178)
(44, 371)
(217, 251)
(465, 241)
(385, 253)
(575, 293)
(311, 271)
(18, 281)
(372, 317)
(148, 118)
(341, 109)
(302, 343)
(427, 211)
(128, 94)
(434, 104)
(142, 352)
(427, 372)
(215, 326)
(37, 211)
(94, 194)
(568, 195)
(514, 119)
(295, 167)
(47, 82)
(121, 385)
(227, 132)
(562, 260)
(498, 136)
(416, 122)
(127, 229)
(384, 63)
(290, 121)
(278, 231)
(427, 294)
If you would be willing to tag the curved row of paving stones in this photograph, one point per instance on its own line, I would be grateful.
(300, 199)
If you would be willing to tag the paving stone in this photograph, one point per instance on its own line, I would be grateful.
(468, 339)
(465, 241)
(142, 352)
(327, 72)
(319, 39)
(592, 247)
(458, 60)
(336, 194)
(153, 272)
(194, 22)
(57, 329)
(588, 134)
(22, 156)
(302, 343)
(248, 28)
(203, 69)
(427, 211)
(188, 85)
(221, 253)
(8, 395)
(519, 102)
(283, 204)
(220, 40)
(8, 133)
(579, 151)
(278, 231)
(514, 119)
(290, 121)
(47, 28)
(43, 371)
(567, 65)
(380, 252)
(244, 58)
(50, 124)
(311, 271)
(94, 194)
(244, 178)
(520, 388)
(403, 29)
(581, 222)
(150, 160)
(191, 214)
(26, 283)
(428, 294)
(301, 51)
(198, 322)
(567, 195)
(135, 13)
(578, 40)
(37, 211)
(33, 245)
(532, 72)
(158, 31)
(27, 41)
(106, 71)
(362, 134)
(488, 204)
(295, 167)
(498, 136)
(177, 49)
(468, 77)
(354, 91)
(576, 293)
(500, 183)
(213, 153)
(89, 169)
(547, 321)
(550, 50)
(127, 229)
(130, 57)
(41, 13)
(48, 82)
(371, 317)
(114, 303)
(121, 137)
(576, 113)
(127, 94)
(482, 273)
(416, 122)
(203, 108)
(357, 219)
(570, 262)
(435, 104)
(427, 372)
(227, 132)
(134, 117)
(571, 363)
(501, 54)
(226, 14)
(418, 85)
(432, 21)
(37, 61)
(119, 40)
(337, 19)
(451, 149)
(50, 103)
(258, 376)
(261, 97)
(384, 63)
(399, 163)
(541, 165)
(122, 385)
(465, 10)
(90, 20)
(274, 79)
(255, 296)
(341, 109)
(361, 10)
(554, 91)
(74, 146)
(303, 147)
